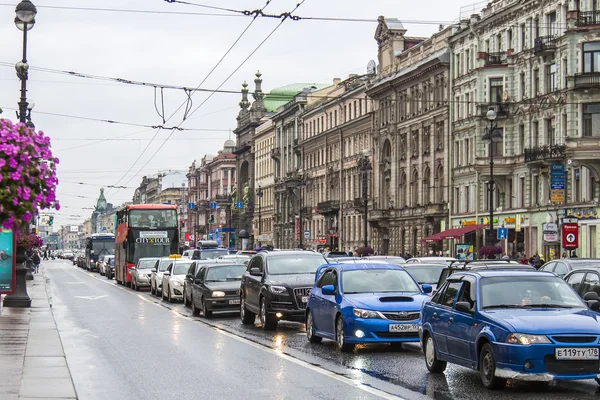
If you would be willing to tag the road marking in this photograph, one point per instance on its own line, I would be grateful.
(91, 297)
(341, 378)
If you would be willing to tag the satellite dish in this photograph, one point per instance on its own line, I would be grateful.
(371, 68)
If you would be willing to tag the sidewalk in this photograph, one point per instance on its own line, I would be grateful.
(32, 360)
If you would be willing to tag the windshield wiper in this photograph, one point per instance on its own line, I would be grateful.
(233, 279)
(547, 305)
(502, 306)
(216, 280)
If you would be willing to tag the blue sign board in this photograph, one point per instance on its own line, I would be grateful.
(502, 233)
(191, 206)
(557, 186)
(307, 235)
(239, 204)
(557, 167)
(213, 204)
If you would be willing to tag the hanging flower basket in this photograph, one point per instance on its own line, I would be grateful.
(488, 251)
(29, 241)
(366, 251)
(27, 174)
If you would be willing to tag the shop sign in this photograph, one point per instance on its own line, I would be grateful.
(297, 229)
(518, 223)
(570, 235)
(583, 213)
(469, 223)
(551, 237)
(550, 228)
(510, 220)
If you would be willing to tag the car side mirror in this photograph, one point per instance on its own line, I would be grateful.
(594, 305)
(427, 288)
(255, 272)
(166, 273)
(198, 281)
(154, 269)
(591, 296)
(328, 290)
(464, 306)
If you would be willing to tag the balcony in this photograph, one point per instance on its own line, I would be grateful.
(587, 80)
(500, 108)
(223, 198)
(327, 207)
(497, 58)
(545, 153)
(276, 153)
(545, 44)
(588, 18)
(242, 148)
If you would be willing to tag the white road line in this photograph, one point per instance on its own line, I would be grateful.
(348, 381)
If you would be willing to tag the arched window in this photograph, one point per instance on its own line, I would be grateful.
(426, 186)
(439, 185)
(414, 189)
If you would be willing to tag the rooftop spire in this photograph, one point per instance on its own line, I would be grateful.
(244, 104)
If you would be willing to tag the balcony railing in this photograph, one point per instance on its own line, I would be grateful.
(329, 206)
(587, 80)
(276, 153)
(500, 108)
(223, 198)
(544, 44)
(498, 58)
(547, 152)
(588, 18)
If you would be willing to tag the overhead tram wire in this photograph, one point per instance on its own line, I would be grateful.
(222, 83)
(190, 94)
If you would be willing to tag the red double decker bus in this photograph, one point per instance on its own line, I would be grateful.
(144, 230)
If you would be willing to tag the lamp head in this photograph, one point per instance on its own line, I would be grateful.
(26, 11)
(491, 114)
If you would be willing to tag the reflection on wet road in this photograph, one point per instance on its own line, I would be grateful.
(130, 329)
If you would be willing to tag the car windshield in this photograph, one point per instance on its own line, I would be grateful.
(181, 268)
(146, 264)
(377, 281)
(225, 273)
(213, 254)
(164, 264)
(430, 275)
(294, 264)
(111, 261)
(153, 219)
(534, 291)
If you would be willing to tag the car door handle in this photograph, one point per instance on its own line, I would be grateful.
(450, 320)
(434, 315)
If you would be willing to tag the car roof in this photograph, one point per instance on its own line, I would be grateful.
(426, 265)
(501, 272)
(291, 253)
(577, 260)
(586, 269)
(146, 258)
(367, 265)
(223, 264)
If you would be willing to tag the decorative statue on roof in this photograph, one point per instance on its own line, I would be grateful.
(233, 195)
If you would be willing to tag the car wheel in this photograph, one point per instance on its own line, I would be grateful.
(431, 361)
(137, 287)
(195, 310)
(597, 380)
(268, 322)
(152, 291)
(169, 299)
(162, 294)
(310, 330)
(246, 315)
(487, 369)
(185, 302)
(339, 337)
(205, 311)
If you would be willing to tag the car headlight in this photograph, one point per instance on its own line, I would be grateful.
(277, 289)
(526, 340)
(366, 313)
(218, 294)
(176, 283)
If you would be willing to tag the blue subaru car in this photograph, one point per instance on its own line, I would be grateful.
(526, 325)
(364, 303)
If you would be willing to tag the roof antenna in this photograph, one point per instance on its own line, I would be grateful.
(229, 133)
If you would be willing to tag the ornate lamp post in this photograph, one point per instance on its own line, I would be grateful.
(25, 20)
(365, 166)
(259, 194)
(491, 136)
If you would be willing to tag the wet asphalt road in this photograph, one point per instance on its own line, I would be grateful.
(120, 343)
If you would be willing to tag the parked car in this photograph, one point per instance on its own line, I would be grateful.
(142, 272)
(172, 279)
(584, 280)
(364, 303)
(103, 262)
(335, 254)
(432, 260)
(216, 287)
(67, 255)
(565, 265)
(426, 274)
(527, 325)
(389, 259)
(193, 272)
(109, 268)
(187, 254)
(157, 273)
(477, 265)
(248, 253)
(276, 285)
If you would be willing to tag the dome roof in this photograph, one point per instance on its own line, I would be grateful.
(229, 143)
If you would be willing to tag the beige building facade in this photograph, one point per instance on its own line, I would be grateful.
(264, 142)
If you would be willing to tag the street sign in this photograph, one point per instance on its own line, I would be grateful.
(213, 205)
(557, 167)
(551, 237)
(307, 235)
(191, 206)
(502, 233)
(557, 192)
(265, 237)
(570, 220)
(550, 228)
(570, 235)
(557, 186)
(239, 204)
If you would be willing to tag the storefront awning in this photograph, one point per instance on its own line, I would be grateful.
(433, 238)
(457, 233)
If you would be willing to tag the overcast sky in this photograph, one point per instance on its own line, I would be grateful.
(179, 50)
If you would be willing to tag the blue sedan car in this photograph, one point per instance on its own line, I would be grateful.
(364, 303)
(526, 325)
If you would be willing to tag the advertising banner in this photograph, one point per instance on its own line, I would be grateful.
(8, 264)
(464, 251)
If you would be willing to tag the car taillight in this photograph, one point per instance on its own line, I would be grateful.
(130, 265)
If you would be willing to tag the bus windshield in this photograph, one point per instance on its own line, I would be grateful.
(153, 219)
(103, 247)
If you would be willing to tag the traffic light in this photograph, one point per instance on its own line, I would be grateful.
(182, 223)
(211, 220)
(51, 220)
(232, 240)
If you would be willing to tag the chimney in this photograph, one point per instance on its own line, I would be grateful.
(336, 81)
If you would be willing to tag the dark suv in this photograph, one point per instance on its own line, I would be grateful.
(276, 286)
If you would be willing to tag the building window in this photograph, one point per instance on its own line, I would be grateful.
(522, 84)
(523, 45)
(510, 193)
(551, 78)
(536, 191)
(457, 66)
(552, 26)
(564, 73)
(522, 192)
(456, 200)
(439, 135)
(564, 125)
(335, 118)
(536, 28)
(467, 105)
(591, 119)
(355, 108)
(509, 39)
(498, 147)
(360, 107)
(521, 138)
(468, 59)
(534, 134)
(591, 57)
(496, 90)
(536, 82)
(551, 131)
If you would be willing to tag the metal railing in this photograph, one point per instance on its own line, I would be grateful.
(587, 80)
(544, 43)
(540, 153)
(497, 58)
(588, 18)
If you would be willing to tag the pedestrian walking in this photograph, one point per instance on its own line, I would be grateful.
(45, 255)
(36, 261)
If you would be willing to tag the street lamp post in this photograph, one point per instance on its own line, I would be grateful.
(259, 194)
(25, 20)
(365, 166)
(491, 136)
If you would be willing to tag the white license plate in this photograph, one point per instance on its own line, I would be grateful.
(404, 327)
(585, 353)
(234, 301)
(304, 299)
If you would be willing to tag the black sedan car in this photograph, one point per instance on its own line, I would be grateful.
(584, 280)
(276, 286)
(216, 288)
(565, 265)
(193, 272)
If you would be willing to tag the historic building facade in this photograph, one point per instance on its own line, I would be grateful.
(410, 142)
(533, 64)
(264, 143)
